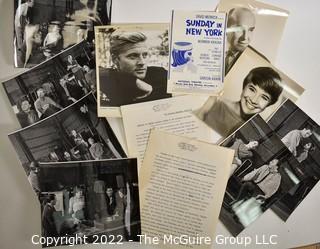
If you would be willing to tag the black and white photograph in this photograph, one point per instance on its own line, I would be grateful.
(241, 23)
(263, 170)
(44, 28)
(53, 85)
(74, 134)
(248, 22)
(96, 199)
(132, 64)
(301, 135)
(253, 86)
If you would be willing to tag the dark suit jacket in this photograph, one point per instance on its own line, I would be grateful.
(48, 225)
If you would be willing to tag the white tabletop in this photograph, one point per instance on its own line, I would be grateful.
(298, 57)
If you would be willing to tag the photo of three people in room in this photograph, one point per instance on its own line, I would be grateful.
(90, 198)
(263, 171)
(52, 86)
(74, 134)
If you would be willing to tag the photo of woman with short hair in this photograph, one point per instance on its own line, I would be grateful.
(261, 88)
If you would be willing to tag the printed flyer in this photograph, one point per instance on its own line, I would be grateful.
(196, 52)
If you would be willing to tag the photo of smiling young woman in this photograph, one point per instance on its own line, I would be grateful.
(261, 88)
(253, 86)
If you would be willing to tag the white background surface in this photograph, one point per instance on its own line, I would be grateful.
(298, 57)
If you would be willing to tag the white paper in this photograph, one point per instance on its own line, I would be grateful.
(182, 183)
(172, 115)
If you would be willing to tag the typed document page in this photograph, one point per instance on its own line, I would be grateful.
(182, 184)
(173, 115)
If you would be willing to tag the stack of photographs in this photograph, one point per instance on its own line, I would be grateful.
(86, 185)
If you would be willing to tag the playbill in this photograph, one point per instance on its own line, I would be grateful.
(196, 52)
(172, 115)
(132, 63)
(44, 28)
(182, 182)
